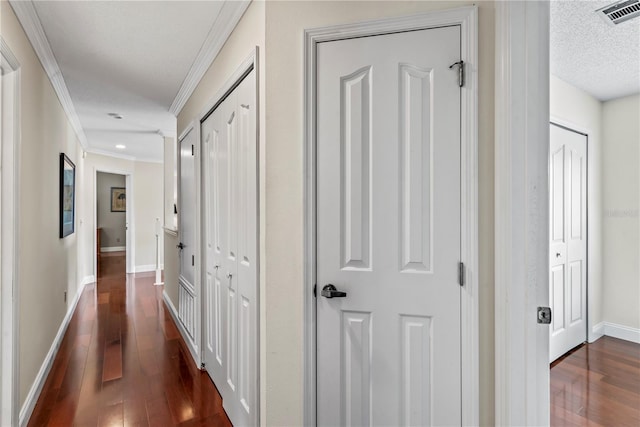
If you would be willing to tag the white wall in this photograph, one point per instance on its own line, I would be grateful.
(113, 224)
(47, 265)
(581, 111)
(621, 202)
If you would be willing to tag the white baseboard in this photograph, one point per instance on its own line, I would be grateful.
(596, 332)
(87, 280)
(113, 249)
(622, 332)
(147, 268)
(190, 344)
(38, 383)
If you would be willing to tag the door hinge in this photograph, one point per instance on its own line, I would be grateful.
(193, 260)
(461, 273)
(544, 315)
(202, 366)
(192, 149)
(460, 65)
(314, 290)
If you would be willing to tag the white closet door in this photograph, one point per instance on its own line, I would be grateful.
(568, 240)
(231, 233)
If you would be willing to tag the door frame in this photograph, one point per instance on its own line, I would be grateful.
(250, 63)
(10, 221)
(521, 212)
(129, 215)
(593, 251)
(467, 18)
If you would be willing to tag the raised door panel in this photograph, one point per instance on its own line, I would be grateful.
(557, 195)
(416, 192)
(577, 193)
(416, 392)
(356, 361)
(355, 169)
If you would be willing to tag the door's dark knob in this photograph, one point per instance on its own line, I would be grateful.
(330, 291)
(180, 246)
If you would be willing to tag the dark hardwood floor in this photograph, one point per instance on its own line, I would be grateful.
(123, 362)
(597, 385)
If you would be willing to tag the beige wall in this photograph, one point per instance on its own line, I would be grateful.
(282, 341)
(148, 197)
(583, 112)
(621, 202)
(47, 265)
(113, 224)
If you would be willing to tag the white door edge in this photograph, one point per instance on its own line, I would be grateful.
(467, 18)
(9, 338)
(521, 212)
(594, 251)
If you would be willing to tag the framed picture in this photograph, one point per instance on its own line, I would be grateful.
(67, 196)
(118, 199)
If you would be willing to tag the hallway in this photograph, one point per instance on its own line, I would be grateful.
(123, 362)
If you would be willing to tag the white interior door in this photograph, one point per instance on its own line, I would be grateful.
(231, 243)
(568, 240)
(187, 208)
(388, 230)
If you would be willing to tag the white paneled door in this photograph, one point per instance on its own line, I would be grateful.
(388, 230)
(568, 240)
(229, 141)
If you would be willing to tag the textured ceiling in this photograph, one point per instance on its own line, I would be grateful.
(592, 55)
(126, 57)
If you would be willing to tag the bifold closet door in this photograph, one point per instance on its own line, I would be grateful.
(229, 141)
(568, 240)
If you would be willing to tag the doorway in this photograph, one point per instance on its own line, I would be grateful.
(113, 217)
(389, 311)
(111, 225)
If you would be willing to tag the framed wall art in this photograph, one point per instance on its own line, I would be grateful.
(118, 199)
(67, 196)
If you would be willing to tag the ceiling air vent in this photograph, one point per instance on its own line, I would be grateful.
(620, 11)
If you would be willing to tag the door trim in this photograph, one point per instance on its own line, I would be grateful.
(467, 18)
(593, 250)
(521, 212)
(10, 220)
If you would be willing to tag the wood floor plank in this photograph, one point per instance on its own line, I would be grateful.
(122, 361)
(597, 384)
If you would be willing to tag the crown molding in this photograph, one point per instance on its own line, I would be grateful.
(106, 153)
(28, 17)
(8, 55)
(221, 29)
